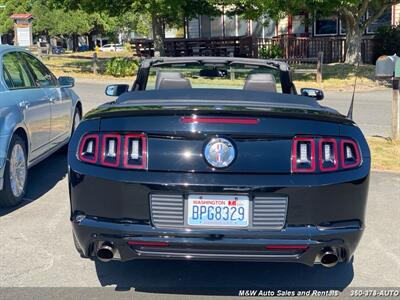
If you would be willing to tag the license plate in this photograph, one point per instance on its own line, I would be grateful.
(218, 211)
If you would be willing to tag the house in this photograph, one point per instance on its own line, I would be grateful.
(297, 25)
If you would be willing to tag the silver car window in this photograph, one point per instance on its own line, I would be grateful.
(15, 73)
(43, 77)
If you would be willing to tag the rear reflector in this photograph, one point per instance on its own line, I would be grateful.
(286, 247)
(148, 244)
(243, 121)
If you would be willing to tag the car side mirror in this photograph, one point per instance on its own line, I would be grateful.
(66, 81)
(312, 93)
(115, 90)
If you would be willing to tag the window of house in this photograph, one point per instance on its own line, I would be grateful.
(384, 20)
(326, 26)
(298, 24)
(216, 27)
(230, 25)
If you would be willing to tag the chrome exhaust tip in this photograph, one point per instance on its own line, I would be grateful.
(329, 258)
(105, 252)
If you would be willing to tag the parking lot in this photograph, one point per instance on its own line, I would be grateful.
(37, 248)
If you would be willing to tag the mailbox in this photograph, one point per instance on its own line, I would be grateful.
(385, 66)
(397, 69)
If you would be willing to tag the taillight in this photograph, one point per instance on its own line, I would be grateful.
(116, 150)
(89, 148)
(135, 151)
(110, 150)
(303, 155)
(328, 154)
(350, 154)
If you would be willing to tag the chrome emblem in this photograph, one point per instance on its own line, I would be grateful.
(219, 153)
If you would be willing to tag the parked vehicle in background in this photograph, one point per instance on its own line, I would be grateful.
(217, 158)
(57, 50)
(83, 48)
(112, 48)
(38, 114)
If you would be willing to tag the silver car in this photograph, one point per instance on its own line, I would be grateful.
(38, 114)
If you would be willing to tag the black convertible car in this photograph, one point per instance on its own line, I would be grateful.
(213, 158)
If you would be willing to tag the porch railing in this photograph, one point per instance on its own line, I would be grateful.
(334, 48)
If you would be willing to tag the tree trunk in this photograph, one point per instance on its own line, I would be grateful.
(353, 45)
(158, 36)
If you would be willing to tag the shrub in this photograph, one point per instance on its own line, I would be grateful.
(121, 67)
(387, 41)
(273, 51)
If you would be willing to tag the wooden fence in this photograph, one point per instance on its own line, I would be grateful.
(78, 63)
(242, 46)
(334, 49)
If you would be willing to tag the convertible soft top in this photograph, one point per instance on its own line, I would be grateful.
(224, 97)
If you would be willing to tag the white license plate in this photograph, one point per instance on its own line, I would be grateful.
(218, 211)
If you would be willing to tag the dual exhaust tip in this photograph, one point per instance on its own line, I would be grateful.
(106, 253)
(329, 258)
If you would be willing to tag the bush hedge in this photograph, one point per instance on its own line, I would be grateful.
(121, 67)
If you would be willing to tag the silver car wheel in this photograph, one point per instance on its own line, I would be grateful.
(17, 170)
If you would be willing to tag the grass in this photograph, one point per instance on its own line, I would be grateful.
(340, 77)
(385, 154)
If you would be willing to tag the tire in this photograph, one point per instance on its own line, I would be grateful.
(16, 176)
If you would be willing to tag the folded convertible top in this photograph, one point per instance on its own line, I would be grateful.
(214, 96)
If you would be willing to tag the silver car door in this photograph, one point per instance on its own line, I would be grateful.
(31, 100)
(60, 101)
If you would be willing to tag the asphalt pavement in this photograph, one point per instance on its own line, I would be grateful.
(36, 246)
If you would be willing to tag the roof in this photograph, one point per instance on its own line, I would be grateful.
(21, 16)
(9, 47)
(283, 66)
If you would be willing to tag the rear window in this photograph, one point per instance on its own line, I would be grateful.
(212, 75)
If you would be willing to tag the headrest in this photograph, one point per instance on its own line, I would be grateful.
(264, 82)
(165, 74)
(174, 83)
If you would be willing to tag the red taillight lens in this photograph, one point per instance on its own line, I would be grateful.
(303, 158)
(131, 149)
(89, 148)
(328, 154)
(135, 151)
(286, 247)
(350, 154)
(303, 155)
(241, 121)
(110, 146)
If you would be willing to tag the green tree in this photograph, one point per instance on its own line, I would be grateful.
(162, 12)
(353, 14)
(11, 7)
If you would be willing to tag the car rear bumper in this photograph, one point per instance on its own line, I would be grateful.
(320, 216)
(135, 241)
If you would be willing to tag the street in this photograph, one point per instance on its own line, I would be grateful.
(37, 248)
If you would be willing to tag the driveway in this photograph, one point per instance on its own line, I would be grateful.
(372, 109)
